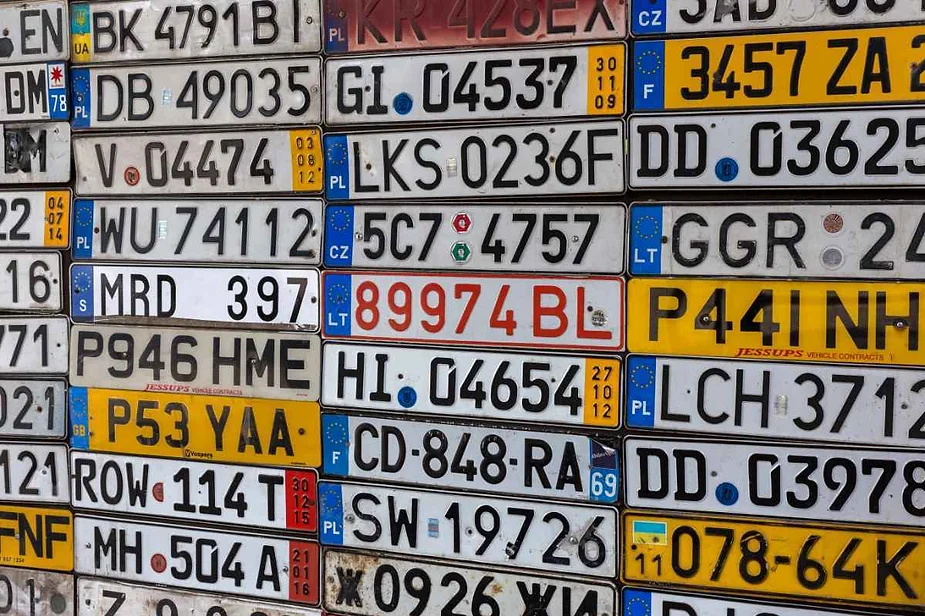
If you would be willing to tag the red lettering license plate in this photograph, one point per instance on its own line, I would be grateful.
(379, 25)
(476, 309)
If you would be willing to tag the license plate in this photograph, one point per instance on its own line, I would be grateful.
(470, 457)
(572, 81)
(268, 498)
(703, 16)
(776, 481)
(278, 231)
(829, 67)
(356, 25)
(36, 537)
(221, 562)
(33, 32)
(249, 364)
(34, 92)
(33, 408)
(231, 93)
(844, 322)
(778, 240)
(367, 585)
(30, 282)
(496, 161)
(858, 564)
(644, 602)
(528, 388)
(210, 428)
(33, 345)
(555, 238)
(792, 402)
(35, 219)
(33, 472)
(200, 164)
(796, 149)
(167, 29)
(121, 599)
(489, 530)
(36, 593)
(223, 296)
(35, 153)
(483, 309)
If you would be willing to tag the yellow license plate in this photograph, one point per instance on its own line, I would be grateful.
(305, 153)
(869, 565)
(57, 232)
(850, 322)
(221, 429)
(872, 65)
(36, 538)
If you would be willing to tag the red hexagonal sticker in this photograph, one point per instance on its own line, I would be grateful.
(462, 223)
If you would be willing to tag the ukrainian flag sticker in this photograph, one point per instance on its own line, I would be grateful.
(649, 532)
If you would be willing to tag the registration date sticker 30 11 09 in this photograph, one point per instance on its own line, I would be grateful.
(555, 312)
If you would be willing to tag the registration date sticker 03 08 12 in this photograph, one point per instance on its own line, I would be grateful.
(860, 564)
(475, 309)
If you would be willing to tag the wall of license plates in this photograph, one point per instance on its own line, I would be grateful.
(462, 307)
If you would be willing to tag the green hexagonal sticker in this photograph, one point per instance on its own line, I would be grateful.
(461, 252)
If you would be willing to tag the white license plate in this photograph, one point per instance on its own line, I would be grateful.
(643, 602)
(705, 16)
(222, 296)
(35, 153)
(239, 564)
(368, 585)
(842, 148)
(36, 593)
(496, 161)
(33, 473)
(170, 29)
(476, 309)
(30, 281)
(34, 345)
(121, 599)
(252, 364)
(878, 486)
(489, 459)
(779, 240)
(528, 388)
(230, 93)
(278, 231)
(34, 92)
(551, 82)
(837, 404)
(35, 219)
(536, 238)
(33, 408)
(199, 163)
(562, 537)
(207, 492)
(34, 32)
